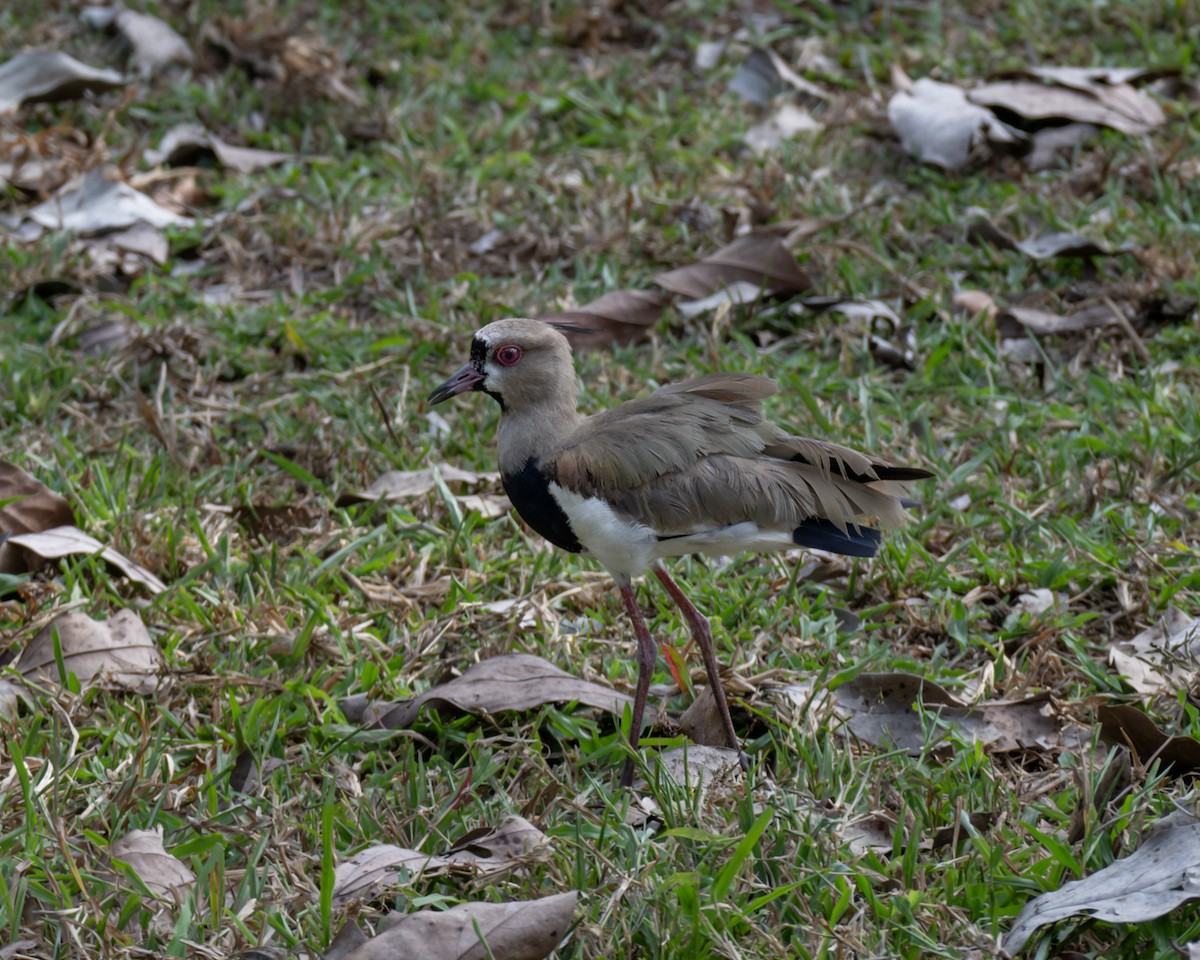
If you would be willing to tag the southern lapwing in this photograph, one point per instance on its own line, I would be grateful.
(691, 468)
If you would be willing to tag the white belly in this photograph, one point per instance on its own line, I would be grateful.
(627, 548)
(624, 548)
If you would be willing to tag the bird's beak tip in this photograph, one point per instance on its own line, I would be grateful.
(468, 378)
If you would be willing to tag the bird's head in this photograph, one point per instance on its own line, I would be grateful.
(519, 362)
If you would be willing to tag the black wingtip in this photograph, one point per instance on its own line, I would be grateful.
(827, 535)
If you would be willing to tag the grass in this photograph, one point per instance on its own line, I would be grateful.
(355, 290)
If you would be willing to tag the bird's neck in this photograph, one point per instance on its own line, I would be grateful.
(534, 432)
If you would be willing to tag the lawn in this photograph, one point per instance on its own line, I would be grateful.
(217, 411)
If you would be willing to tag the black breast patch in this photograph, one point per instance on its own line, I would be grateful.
(529, 491)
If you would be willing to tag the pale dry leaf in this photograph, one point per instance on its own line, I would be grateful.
(763, 74)
(1162, 657)
(881, 708)
(164, 875)
(487, 505)
(59, 542)
(697, 765)
(517, 930)
(1160, 875)
(38, 76)
(117, 653)
(937, 124)
(95, 204)
(1014, 321)
(756, 258)
(1075, 97)
(976, 303)
(482, 852)
(620, 317)
(1036, 602)
(187, 143)
(408, 484)
(512, 681)
(26, 506)
(155, 44)
(784, 122)
(737, 294)
(9, 700)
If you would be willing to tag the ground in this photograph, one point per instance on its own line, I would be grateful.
(456, 163)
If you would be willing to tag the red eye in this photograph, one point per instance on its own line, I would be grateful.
(509, 355)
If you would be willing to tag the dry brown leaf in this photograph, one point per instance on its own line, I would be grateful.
(26, 506)
(39, 76)
(116, 653)
(1125, 725)
(94, 204)
(407, 484)
(937, 124)
(59, 542)
(1162, 657)
(1157, 877)
(165, 876)
(701, 721)
(512, 681)
(482, 852)
(757, 258)
(518, 930)
(619, 317)
(188, 143)
(881, 708)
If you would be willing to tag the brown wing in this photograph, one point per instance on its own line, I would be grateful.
(664, 433)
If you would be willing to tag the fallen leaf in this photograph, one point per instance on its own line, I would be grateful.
(116, 653)
(487, 505)
(697, 765)
(881, 708)
(701, 721)
(756, 258)
(26, 506)
(482, 852)
(620, 317)
(975, 303)
(40, 76)
(937, 124)
(1125, 725)
(164, 875)
(186, 144)
(1044, 246)
(347, 940)
(511, 681)
(67, 541)
(737, 294)
(1051, 144)
(9, 699)
(1015, 321)
(784, 122)
(408, 484)
(763, 74)
(1034, 97)
(518, 930)
(94, 204)
(1162, 657)
(1160, 875)
(1036, 602)
(155, 44)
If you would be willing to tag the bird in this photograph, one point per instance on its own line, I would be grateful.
(693, 467)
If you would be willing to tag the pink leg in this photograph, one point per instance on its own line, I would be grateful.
(647, 654)
(704, 638)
